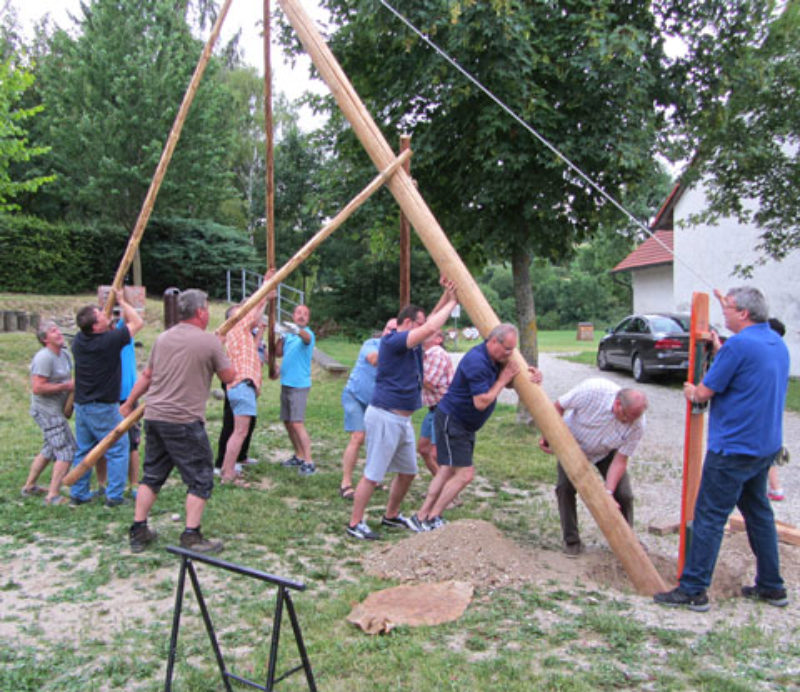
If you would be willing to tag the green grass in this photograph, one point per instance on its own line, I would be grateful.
(549, 637)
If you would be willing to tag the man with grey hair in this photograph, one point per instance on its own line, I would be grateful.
(746, 385)
(51, 383)
(607, 422)
(480, 377)
(177, 379)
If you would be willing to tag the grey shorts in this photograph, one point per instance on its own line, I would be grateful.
(181, 445)
(390, 444)
(293, 403)
(59, 442)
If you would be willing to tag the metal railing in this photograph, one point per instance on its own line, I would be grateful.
(241, 283)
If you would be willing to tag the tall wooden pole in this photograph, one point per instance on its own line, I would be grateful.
(405, 239)
(582, 474)
(269, 222)
(166, 157)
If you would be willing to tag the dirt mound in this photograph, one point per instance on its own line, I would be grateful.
(477, 552)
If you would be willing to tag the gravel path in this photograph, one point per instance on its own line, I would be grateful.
(657, 467)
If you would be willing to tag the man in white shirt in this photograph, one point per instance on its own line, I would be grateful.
(607, 422)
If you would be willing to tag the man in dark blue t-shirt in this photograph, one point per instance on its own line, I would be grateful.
(391, 446)
(98, 376)
(480, 377)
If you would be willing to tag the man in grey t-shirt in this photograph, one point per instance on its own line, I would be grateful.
(51, 383)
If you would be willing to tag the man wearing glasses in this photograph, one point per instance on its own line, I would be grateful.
(746, 385)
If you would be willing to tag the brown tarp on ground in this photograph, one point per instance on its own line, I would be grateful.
(415, 604)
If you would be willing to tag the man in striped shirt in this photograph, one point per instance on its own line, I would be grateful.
(607, 422)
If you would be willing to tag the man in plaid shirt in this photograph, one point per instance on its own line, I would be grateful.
(437, 374)
(607, 422)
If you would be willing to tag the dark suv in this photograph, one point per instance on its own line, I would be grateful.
(648, 344)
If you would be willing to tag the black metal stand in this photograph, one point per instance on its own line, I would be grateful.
(187, 557)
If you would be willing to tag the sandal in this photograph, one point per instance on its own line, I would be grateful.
(55, 500)
(33, 491)
(347, 492)
(238, 481)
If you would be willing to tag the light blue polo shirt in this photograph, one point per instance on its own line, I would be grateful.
(361, 382)
(296, 363)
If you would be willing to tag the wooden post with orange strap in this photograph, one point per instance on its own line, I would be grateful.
(699, 355)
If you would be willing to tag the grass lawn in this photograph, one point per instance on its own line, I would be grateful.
(74, 631)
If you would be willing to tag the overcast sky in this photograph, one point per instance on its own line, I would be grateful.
(243, 14)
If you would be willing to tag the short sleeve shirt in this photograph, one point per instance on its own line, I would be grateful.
(399, 378)
(361, 382)
(589, 416)
(437, 371)
(55, 369)
(296, 363)
(476, 374)
(128, 359)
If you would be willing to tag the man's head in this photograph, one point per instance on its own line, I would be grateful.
(409, 317)
(391, 325)
(193, 305)
(301, 315)
(501, 342)
(91, 320)
(435, 339)
(743, 306)
(50, 335)
(629, 405)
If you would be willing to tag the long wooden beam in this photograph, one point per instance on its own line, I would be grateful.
(166, 157)
(582, 474)
(91, 459)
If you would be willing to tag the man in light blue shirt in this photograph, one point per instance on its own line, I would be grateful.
(355, 399)
(297, 349)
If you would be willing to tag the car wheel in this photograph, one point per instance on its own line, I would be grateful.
(637, 367)
(602, 360)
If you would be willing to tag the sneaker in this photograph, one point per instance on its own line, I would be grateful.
(776, 495)
(77, 502)
(436, 523)
(677, 598)
(307, 468)
(398, 522)
(250, 461)
(362, 532)
(573, 549)
(293, 461)
(116, 502)
(418, 525)
(141, 537)
(194, 540)
(56, 500)
(775, 597)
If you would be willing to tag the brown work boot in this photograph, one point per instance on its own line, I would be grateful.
(194, 540)
(141, 537)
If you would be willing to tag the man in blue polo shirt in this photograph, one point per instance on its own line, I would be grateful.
(480, 377)
(746, 385)
(390, 436)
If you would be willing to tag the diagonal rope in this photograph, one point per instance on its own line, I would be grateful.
(542, 139)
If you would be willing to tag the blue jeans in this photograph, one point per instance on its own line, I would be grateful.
(736, 480)
(92, 423)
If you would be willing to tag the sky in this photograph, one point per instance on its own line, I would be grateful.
(243, 14)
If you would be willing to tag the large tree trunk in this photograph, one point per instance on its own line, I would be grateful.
(526, 317)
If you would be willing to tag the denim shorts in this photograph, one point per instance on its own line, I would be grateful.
(353, 412)
(428, 429)
(455, 444)
(242, 399)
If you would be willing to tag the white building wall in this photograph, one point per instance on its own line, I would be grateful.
(705, 257)
(652, 289)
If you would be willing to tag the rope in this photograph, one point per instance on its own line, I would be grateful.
(543, 140)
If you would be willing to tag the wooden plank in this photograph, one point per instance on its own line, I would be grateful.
(787, 533)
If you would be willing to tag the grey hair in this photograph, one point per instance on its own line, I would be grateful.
(190, 301)
(750, 299)
(501, 331)
(631, 398)
(44, 327)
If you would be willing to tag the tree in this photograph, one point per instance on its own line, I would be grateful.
(740, 116)
(585, 74)
(112, 94)
(15, 80)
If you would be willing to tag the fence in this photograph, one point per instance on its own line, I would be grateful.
(239, 284)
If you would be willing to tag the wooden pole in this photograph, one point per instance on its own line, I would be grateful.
(166, 157)
(91, 459)
(405, 239)
(582, 474)
(270, 186)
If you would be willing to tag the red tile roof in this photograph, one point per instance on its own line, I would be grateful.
(649, 253)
